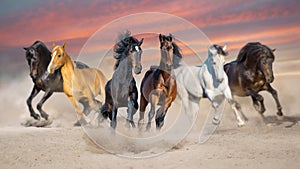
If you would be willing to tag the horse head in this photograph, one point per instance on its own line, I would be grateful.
(33, 60)
(167, 53)
(135, 53)
(216, 61)
(257, 57)
(58, 58)
(264, 64)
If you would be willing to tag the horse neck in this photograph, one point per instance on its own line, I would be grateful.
(125, 70)
(67, 70)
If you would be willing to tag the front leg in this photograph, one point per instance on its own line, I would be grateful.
(46, 96)
(33, 93)
(258, 100)
(275, 96)
(77, 109)
(113, 122)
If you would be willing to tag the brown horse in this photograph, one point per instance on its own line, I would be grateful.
(158, 85)
(251, 73)
(78, 84)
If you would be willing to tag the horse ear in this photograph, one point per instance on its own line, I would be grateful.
(53, 44)
(170, 37)
(224, 48)
(25, 48)
(140, 42)
(160, 38)
(212, 50)
(273, 50)
(64, 45)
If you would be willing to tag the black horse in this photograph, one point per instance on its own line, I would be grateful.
(251, 73)
(38, 57)
(121, 90)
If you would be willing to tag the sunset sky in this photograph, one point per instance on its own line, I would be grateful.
(275, 23)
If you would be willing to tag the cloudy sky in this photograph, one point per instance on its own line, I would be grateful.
(233, 22)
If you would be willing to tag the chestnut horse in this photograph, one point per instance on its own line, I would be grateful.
(158, 85)
(251, 73)
(38, 57)
(78, 84)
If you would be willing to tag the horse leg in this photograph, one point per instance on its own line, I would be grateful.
(275, 96)
(33, 93)
(77, 109)
(154, 99)
(161, 113)
(86, 110)
(46, 96)
(113, 122)
(234, 107)
(143, 105)
(130, 112)
(258, 102)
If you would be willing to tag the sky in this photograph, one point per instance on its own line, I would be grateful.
(275, 23)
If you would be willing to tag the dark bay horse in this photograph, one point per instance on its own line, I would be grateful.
(38, 57)
(159, 85)
(251, 73)
(121, 90)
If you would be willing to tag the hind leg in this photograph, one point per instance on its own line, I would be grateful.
(46, 96)
(33, 93)
(234, 107)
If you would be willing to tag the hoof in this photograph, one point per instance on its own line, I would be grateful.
(280, 116)
(216, 121)
(242, 124)
(45, 116)
(36, 116)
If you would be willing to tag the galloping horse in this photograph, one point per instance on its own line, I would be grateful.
(78, 84)
(251, 73)
(158, 85)
(38, 57)
(207, 81)
(121, 90)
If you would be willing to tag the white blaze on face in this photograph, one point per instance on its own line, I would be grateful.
(48, 68)
(137, 48)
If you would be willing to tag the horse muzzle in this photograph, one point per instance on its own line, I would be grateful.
(137, 69)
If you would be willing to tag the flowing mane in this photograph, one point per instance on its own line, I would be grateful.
(254, 50)
(122, 46)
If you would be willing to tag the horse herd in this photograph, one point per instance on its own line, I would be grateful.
(249, 74)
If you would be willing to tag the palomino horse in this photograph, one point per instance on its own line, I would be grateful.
(78, 84)
(121, 90)
(38, 57)
(251, 73)
(208, 81)
(158, 85)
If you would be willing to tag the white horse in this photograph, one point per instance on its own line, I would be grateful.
(207, 81)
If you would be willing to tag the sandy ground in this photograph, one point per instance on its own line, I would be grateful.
(270, 144)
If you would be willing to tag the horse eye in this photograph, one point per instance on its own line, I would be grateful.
(59, 56)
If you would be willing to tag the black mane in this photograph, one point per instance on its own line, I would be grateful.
(254, 50)
(122, 46)
(220, 50)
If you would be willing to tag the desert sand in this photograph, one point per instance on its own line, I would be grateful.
(272, 143)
